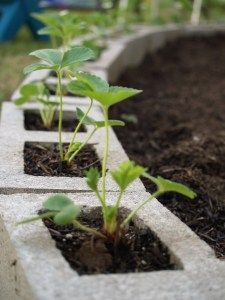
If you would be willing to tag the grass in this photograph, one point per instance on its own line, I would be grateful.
(14, 57)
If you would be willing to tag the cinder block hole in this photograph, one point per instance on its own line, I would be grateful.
(34, 122)
(137, 250)
(43, 159)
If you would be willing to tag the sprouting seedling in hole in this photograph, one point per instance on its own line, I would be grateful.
(38, 92)
(64, 211)
(59, 61)
(63, 27)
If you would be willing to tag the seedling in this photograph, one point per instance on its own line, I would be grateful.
(98, 89)
(62, 26)
(59, 61)
(38, 92)
(130, 118)
(64, 211)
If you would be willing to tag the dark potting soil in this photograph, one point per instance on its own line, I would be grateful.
(180, 133)
(42, 159)
(32, 121)
(138, 250)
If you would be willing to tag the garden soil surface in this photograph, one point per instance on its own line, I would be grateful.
(138, 250)
(32, 121)
(42, 159)
(180, 133)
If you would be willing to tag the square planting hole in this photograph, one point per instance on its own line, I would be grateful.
(33, 121)
(138, 250)
(42, 159)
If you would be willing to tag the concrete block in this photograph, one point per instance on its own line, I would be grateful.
(43, 273)
(12, 176)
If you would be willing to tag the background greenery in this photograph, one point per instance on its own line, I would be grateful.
(14, 55)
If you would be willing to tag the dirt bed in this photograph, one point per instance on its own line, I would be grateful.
(138, 249)
(180, 133)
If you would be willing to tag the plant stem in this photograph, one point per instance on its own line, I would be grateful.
(82, 145)
(59, 89)
(134, 212)
(106, 153)
(119, 199)
(78, 127)
(88, 229)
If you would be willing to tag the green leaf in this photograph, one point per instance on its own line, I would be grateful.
(118, 94)
(92, 178)
(96, 88)
(87, 120)
(50, 31)
(35, 67)
(79, 88)
(51, 56)
(21, 101)
(99, 124)
(76, 55)
(36, 92)
(29, 89)
(36, 218)
(57, 202)
(165, 186)
(50, 19)
(127, 173)
(67, 214)
(112, 123)
(75, 146)
(95, 83)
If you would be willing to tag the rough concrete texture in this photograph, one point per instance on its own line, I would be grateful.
(12, 177)
(44, 273)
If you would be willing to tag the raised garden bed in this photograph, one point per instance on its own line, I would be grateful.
(184, 260)
(181, 128)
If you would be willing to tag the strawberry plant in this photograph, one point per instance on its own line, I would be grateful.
(59, 61)
(64, 211)
(62, 27)
(38, 92)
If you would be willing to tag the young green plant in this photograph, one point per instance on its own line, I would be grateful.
(64, 211)
(62, 27)
(58, 61)
(38, 92)
(98, 89)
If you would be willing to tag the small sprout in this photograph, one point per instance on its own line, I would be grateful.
(63, 27)
(92, 178)
(39, 93)
(126, 174)
(130, 118)
(59, 61)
